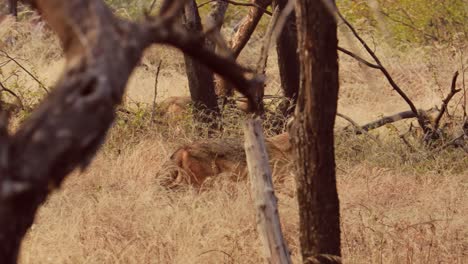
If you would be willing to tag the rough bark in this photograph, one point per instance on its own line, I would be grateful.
(68, 128)
(268, 222)
(242, 35)
(13, 7)
(200, 78)
(214, 21)
(247, 26)
(312, 133)
(288, 61)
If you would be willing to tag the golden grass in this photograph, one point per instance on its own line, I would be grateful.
(116, 212)
(396, 206)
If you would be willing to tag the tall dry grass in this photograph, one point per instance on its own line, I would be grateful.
(397, 205)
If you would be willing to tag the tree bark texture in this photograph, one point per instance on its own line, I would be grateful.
(214, 20)
(288, 60)
(312, 133)
(200, 78)
(241, 36)
(67, 129)
(266, 205)
(13, 7)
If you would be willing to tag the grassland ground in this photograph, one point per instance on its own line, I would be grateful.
(397, 205)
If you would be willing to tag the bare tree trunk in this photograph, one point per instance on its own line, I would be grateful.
(215, 20)
(312, 133)
(13, 7)
(200, 78)
(288, 61)
(242, 35)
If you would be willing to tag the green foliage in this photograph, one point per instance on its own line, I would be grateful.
(128, 8)
(411, 21)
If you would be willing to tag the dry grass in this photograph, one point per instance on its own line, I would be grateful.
(397, 206)
(117, 213)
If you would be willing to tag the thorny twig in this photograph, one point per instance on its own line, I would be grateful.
(25, 70)
(387, 75)
(153, 108)
(446, 101)
(18, 99)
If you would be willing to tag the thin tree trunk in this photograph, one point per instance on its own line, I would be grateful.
(13, 7)
(312, 133)
(200, 78)
(215, 19)
(268, 221)
(248, 25)
(288, 61)
(242, 35)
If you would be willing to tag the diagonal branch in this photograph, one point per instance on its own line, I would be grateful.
(445, 102)
(25, 70)
(358, 58)
(387, 75)
(235, 3)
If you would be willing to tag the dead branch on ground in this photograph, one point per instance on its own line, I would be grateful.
(359, 129)
(385, 72)
(234, 3)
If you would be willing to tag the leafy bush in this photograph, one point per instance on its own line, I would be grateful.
(414, 21)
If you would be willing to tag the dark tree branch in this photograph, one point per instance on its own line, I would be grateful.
(446, 101)
(359, 128)
(387, 75)
(247, 26)
(13, 7)
(156, 78)
(392, 119)
(192, 45)
(235, 3)
(241, 36)
(263, 59)
(358, 58)
(18, 99)
(25, 70)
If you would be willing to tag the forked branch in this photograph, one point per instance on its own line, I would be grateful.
(385, 72)
(445, 102)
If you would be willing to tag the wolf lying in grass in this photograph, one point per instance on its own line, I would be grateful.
(193, 164)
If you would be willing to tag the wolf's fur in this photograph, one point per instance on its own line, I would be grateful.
(192, 164)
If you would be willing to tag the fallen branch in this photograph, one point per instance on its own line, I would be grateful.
(387, 120)
(387, 75)
(359, 128)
